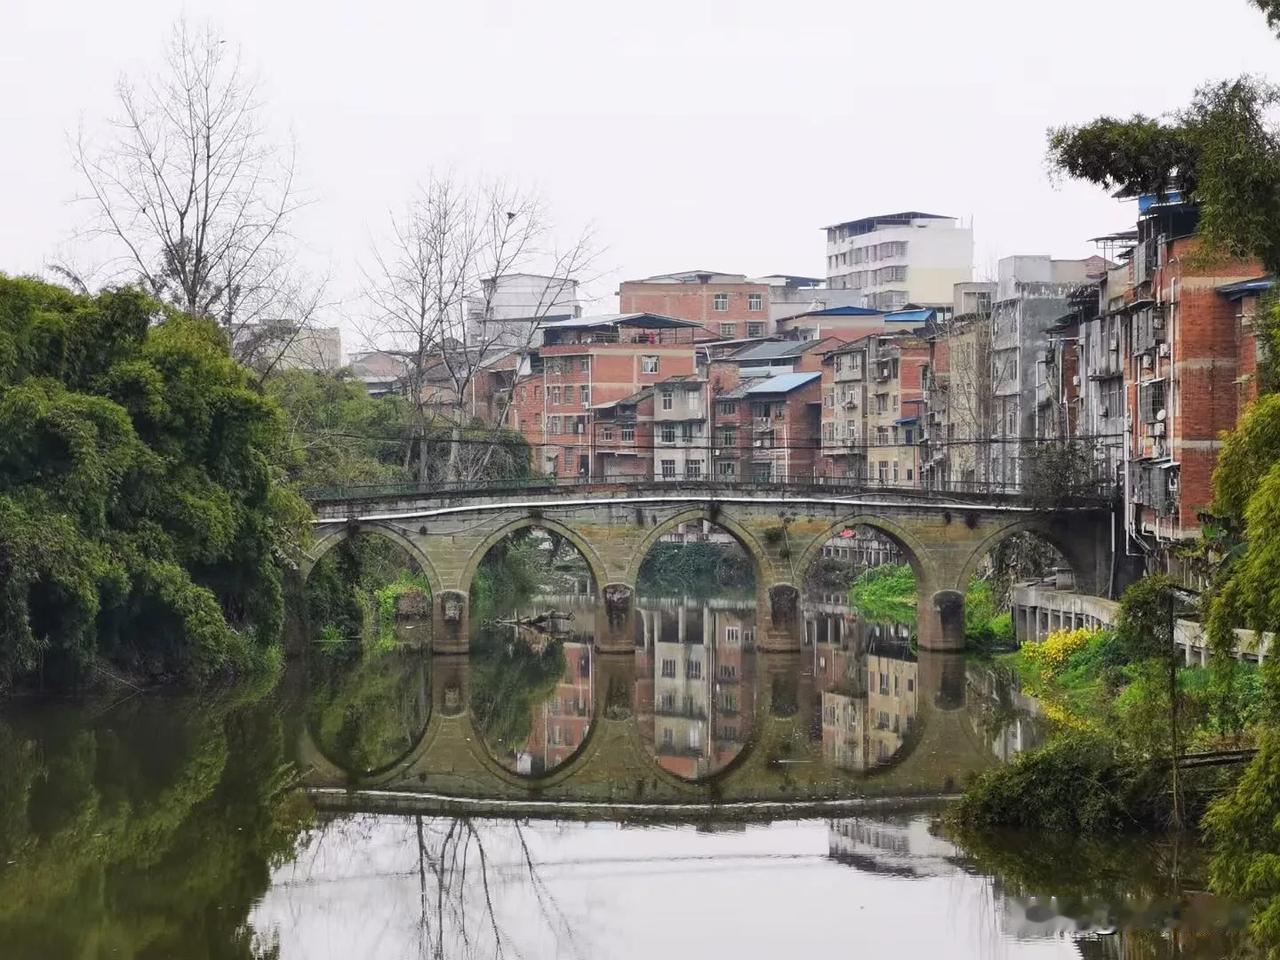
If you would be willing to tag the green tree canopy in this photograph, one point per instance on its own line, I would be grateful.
(142, 518)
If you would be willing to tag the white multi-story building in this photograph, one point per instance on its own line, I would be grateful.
(510, 309)
(900, 258)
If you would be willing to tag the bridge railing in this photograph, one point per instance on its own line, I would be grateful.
(1093, 494)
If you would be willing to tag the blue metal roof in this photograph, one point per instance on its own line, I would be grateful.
(1244, 287)
(842, 312)
(783, 383)
(909, 316)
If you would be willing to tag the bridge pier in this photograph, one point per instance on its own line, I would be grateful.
(940, 620)
(617, 632)
(783, 630)
(452, 633)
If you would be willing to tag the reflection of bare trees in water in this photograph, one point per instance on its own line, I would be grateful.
(447, 850)
(428, 887)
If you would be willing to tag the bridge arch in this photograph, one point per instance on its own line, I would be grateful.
(913, 551)
(765, 573)
(598, 571)
(389, 531)
(1065, 542)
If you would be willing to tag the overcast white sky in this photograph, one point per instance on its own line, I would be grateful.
(691, 133)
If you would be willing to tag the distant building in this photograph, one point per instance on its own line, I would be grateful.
(765, 429)
(586, 362)
(900, 259)
(381, 371)
(512, 308)
(287, 346)
(732, 306)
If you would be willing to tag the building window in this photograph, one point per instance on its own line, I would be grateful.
(521, 394)
(755, 301)
(668, 469)
(695, 738)
(554, 394)
(669, 669)
(606, 432)
(727, 469)
(667, 399)
(686, 433)
(668, 737)
(668, 433)
(553, 424)
(728, 408)
(585, 392)
(693, 470)
(755, 329)
(720, 302)
(629, 434)
(691, 397)
(728, 437)
(693, 670)
(648, 364)
(568, 394)
(728, 330)
(733, 637)
(584, 364)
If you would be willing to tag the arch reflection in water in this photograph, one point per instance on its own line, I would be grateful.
(532, 692)
(695, 682)
(367, 707)
(867, 679)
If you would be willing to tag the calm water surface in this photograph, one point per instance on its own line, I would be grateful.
(695, 797)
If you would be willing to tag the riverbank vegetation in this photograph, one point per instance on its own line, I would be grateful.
(697, 569)
(888, 593)
(142, 519)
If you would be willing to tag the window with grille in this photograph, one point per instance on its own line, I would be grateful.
(720, 302)
(755, 301)
(649, 364)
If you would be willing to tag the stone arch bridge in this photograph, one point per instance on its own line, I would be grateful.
(783, 529)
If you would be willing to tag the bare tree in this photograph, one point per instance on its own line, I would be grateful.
(970, 398)
(194, 193)
(432, 288)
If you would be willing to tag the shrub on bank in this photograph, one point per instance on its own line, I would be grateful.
(1081, 782)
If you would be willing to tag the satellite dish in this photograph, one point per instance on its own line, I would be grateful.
(1160, 415)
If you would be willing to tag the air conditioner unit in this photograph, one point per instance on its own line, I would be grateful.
(758, 443)
(1075, 381)
(1163, 350)
(1146, 361)
(1173, 482)
(716, 452)
(1157, 429)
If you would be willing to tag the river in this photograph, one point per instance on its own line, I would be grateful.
(697, 796)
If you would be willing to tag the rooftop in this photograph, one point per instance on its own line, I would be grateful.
(652, 321)
(773, 350)
(867, 224)
(839, 312)
(628, 401)
(783, 383)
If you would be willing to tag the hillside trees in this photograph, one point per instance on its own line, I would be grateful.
(141, 518)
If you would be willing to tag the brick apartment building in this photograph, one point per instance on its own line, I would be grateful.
(586, 362)
(1189, 359)
(765, 429)
(726, 305)
(872, 409)
(623, 437)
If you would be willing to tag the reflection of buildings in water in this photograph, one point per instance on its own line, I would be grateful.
(898, 847)
(695, 682)
(1010, 720)
(869, 700)
(561, 722)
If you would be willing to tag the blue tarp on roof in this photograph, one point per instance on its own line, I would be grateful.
(842, 312)
(783, 383)
(1246, 287)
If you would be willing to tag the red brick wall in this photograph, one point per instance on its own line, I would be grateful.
(694, 301)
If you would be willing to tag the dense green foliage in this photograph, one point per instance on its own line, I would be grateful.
(886, 592)
(338, 435)
(357, 590)
(696, 570)
(1081, 782)
(141, 517)
(1221, 152)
